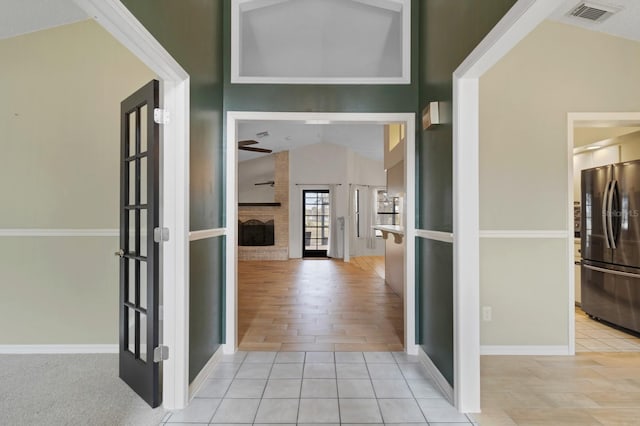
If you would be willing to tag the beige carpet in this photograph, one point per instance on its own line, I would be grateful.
(69, 390)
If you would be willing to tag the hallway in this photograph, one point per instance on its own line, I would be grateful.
(316, 305)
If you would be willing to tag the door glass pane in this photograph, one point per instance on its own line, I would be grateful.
(143, 128)
(131, 292)
(143, 232)
(131, 248)
(131, 330)
(132, 134)
(143, 180)
(316, 220)
(132, 183)
(143, 285)
(143, 337)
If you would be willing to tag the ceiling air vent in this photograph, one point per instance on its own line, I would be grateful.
(593, 11)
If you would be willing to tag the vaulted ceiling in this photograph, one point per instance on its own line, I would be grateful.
(25, 16)
(366, 140)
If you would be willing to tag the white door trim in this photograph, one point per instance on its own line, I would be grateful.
(174, 198)
(231, 329)
(523, 17)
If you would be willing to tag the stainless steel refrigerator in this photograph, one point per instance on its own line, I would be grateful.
(610, 240)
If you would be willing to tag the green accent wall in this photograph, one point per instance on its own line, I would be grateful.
(191, 31)
(206, 261)
(448, 32)
(434, 269)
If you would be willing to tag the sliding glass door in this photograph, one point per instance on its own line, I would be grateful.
(315, 224)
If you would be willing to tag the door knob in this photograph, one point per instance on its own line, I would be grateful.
(119, 253)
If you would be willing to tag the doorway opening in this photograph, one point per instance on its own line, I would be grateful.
(602, 141)
(321, 215)
(316, 222)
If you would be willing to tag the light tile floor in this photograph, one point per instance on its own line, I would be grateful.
(594, 336)
(327, 388)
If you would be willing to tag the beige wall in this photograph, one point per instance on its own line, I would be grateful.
(59, 114)
(524, 101)
(629, 147)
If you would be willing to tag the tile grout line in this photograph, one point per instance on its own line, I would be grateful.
(335, 368)
(375, 394)
(228, 387)
(304, 362)
(273, 362)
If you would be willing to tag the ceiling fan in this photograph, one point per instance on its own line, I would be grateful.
(244, 145)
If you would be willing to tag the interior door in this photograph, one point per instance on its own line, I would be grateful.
(315, 225)
(139, 262)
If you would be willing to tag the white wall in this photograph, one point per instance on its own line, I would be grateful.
(59, 117)
(364, 171)
(315, 166)
(394, 252)
(524, 101)
(250, 172)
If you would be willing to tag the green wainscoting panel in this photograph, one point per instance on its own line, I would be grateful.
(435, 296)
(206, 292)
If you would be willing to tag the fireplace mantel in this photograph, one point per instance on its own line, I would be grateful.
(259, 204)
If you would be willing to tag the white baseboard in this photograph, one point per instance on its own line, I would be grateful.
(202, 376)
(412, 349)
(59, 349)
(524, 350)
(437, 376)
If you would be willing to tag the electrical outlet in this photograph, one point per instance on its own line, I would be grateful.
(486, 313)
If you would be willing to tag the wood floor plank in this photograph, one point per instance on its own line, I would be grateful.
(317, 305)
(587, 389)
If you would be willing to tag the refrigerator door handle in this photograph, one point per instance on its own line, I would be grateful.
(605, 215)
(611, 271)
(612, 190)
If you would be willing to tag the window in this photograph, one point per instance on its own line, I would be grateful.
(387, 210)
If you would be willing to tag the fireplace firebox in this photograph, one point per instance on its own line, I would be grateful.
(254, 232)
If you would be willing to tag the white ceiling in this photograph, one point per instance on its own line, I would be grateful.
(625, 23)
(26, 16)
(366, 140)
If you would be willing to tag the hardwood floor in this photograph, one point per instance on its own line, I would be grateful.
(370, 263)
(316, 305)
(588, 389)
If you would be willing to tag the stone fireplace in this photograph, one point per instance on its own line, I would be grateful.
(260, 216)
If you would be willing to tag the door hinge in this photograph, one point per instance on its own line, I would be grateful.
(160, 234)
(161, 116)
(161, 353)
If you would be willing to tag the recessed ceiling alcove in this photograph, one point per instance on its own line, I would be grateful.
(321, 41)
